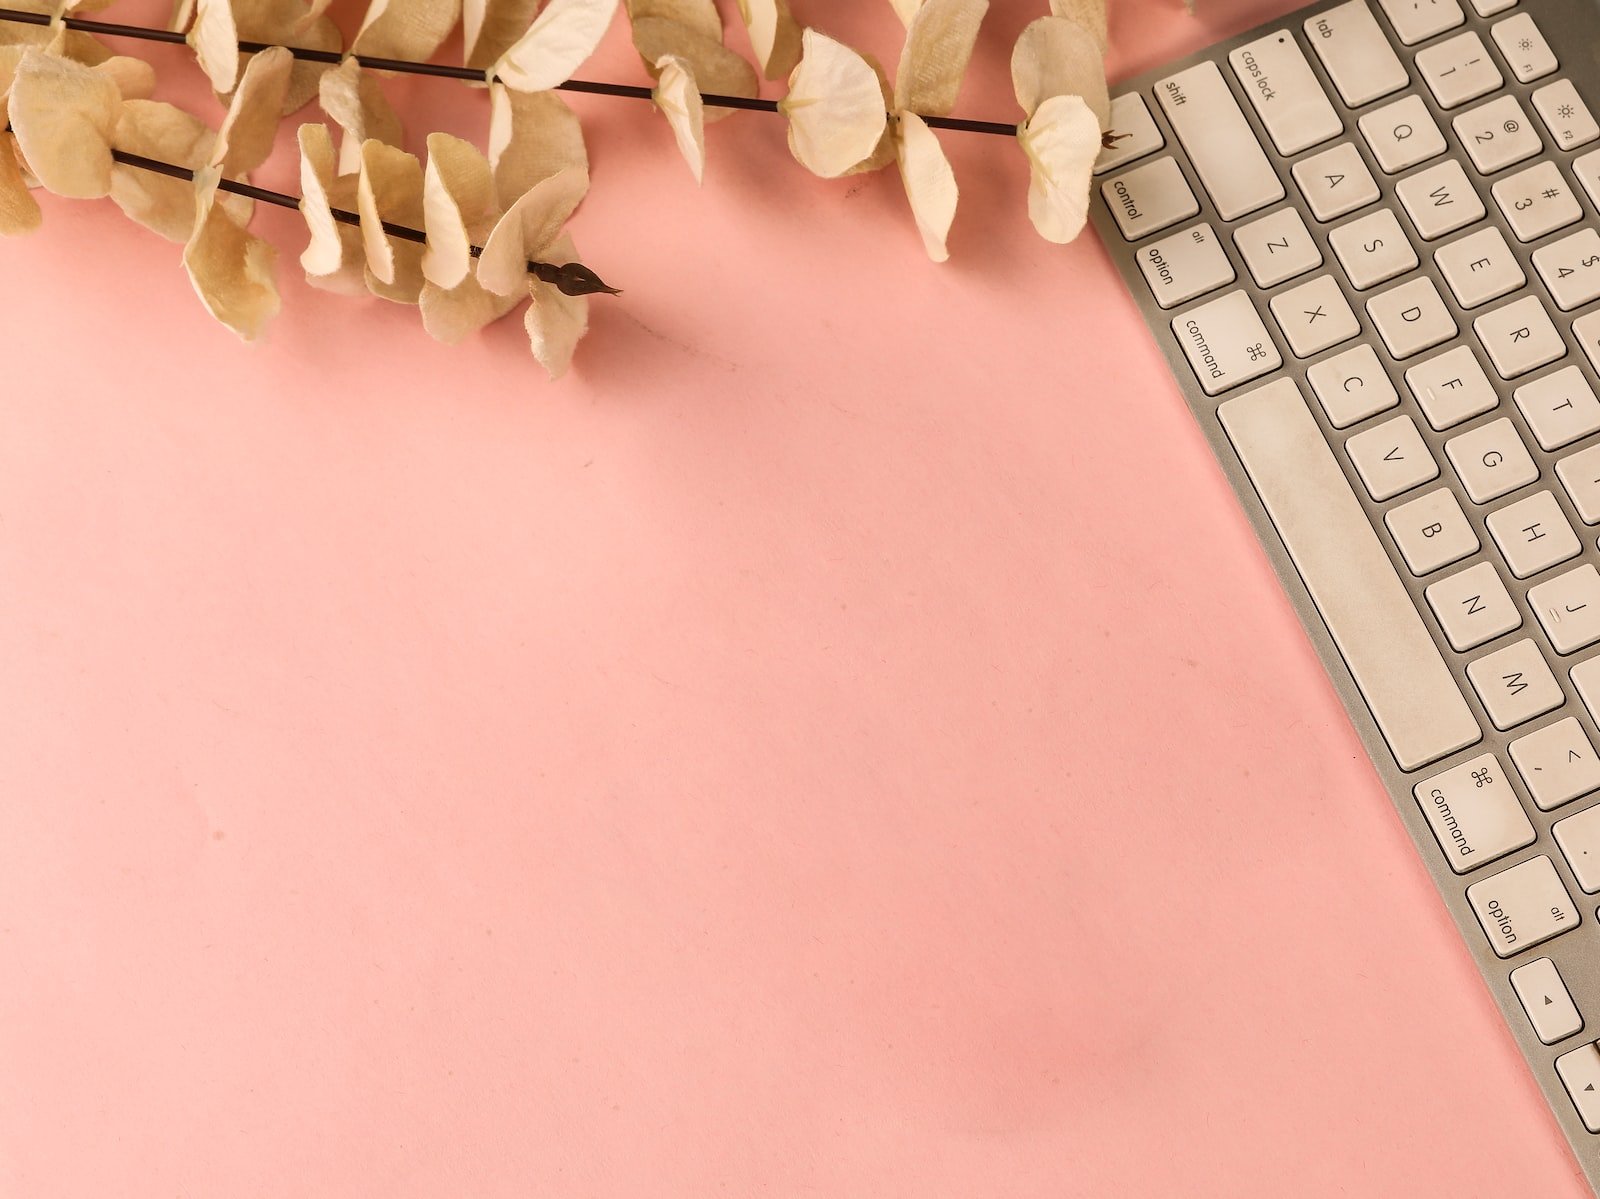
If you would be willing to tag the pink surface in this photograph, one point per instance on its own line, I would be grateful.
(842, 742)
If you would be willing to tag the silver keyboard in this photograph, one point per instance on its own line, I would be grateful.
(1365, 237)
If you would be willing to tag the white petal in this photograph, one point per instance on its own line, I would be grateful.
(1062, 141)
(457, 193)
(835, 107)
(937, 51)
(774, 35)
(214, 38)
(677, 97)
(556, 44)
(930, 183)
(1058, 57)
(527, 229)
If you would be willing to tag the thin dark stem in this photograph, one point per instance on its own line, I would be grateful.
(446, 71)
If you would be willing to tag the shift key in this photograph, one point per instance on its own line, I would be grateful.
(1220, 142)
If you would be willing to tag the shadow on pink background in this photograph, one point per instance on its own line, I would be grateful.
(844, 741)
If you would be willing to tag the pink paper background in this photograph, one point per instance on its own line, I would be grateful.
(842, 742)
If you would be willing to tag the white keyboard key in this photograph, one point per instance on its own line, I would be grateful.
(1523, 906)
(1488, 8)
(1547, 1001)
(1314, 316)
(1222, 148)
(1580, 1072)
(1480, 267)
(1565, 115)
(1352, 386)
(1559, 407)
(1580, 475)
(1458, 70)
(1355, 52)
(1515, 684)
(1497, 134)
(1587, 169)
(1536, 201)
(1570, 269)
(1558, 763)
(1527, 53)
(1417, 20)
(1586, 329)
(1440, 200)
(1473, 607)
(1519, 337)
(1277, 247)
(1185, 265)
(1150, 198)
(1397, 668)
(1129, 116)
(1533, 534)
(1373, 249)
(1226, 342)
(1452, 388)
(1432, 531)
(1402, 134)
(1335, 182)
(1579, 838)
(1474, 813)
(1491, 460)
(1568, 609)
(1286, 95)
(1391, 458)
(1411, 318)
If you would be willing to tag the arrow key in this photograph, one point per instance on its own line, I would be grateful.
(1546, 1000)
(1580, 1070)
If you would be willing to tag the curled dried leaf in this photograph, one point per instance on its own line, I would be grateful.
(64, 115)
(251, 125)
(929, 181)
(355, 101)
(834, 106)
(1058, 57)
(679, 99)
(390, 189)
(406, 29)
(1062, 141)
(19, 211)
(528, 228)
(155, 129)
(451, 314)
(774, 35)
(558, 42)
(937, 50)
(532, 135)
(555, 321)
(491, 27)
(325, 252)
(906, 10)
(457, 200)
(290, 23)
(135, 78)
(214, 38)
(701, 16)
(716, 69)
(1091, 14)
(231, 270)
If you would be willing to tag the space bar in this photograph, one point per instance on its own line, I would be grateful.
(1399, 671)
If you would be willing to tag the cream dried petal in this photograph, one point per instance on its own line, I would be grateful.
(64, 115)
(457, 197)
(930, 183)
(528, 229)
(774, 35)
(834, 106)
(19, 211)
(491, 27)
(716, 69)
(155, 129)
(532, 135)
(406, 29)
(1058, 57)
(231, 270)
(906, 10)
(251, 125)
(351, 275)
(1062, 141)
(558, 42)
(1091, 14)
(214, 38)
(390, 189)
(452, 314)
(701, 16)
(679, 99)
(355, 101)
(135, 78)
(556, 323)
(324, 254)
(290, 23)
(937, 50)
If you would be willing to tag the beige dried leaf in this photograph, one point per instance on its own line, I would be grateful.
(231, 270)
(716, 69)
(135, 78)
(701, 16)
(532, 135)
(906, 10)
(324, 254)
(555, 322)
(491, 27)
(929, 181)
(1058, 57)
(214, 38)
(774, 35)
(351, 277)
(251, 124)
(290, 23)
(452, 314)
(166, 206)
(390, 189)
(457, 201)
(64, 115)
(19, 211)
(528, 229)
(406, 29)
(355, 101)
(1091, 14)
(1062, 141)
(937, 50)
(679, 99)
(834, 106)
(79, 47)
(558, 42)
